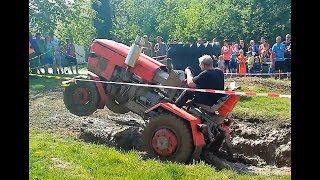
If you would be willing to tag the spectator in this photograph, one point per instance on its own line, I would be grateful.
(279, 49)
(233, 63)
(242, 62)
(256, 65)
(41, 48)
(226, 53)
(57, 54)
(243, 46)
(34, 58)
(70, 55)
(264, 60)
(254, 48)
(215, 42)
(250, 61)
(215, 60)
(287, 54)
(221, 64)
(160, 48)
(31, 50)
(264, 46)
(271, 67)
(48, 57)
(147, 46)
(235, 49)
(199, 42)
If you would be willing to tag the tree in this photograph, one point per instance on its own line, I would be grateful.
(102, 22)
(64, 18)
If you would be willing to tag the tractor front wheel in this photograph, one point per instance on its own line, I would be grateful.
(81, 98)
(168, 137)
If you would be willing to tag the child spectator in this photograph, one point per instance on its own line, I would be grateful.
(221, 63)
(226, 52)
(250, 61)
(235, 49)
(254, 48)
(233, 63)
(242, 62)
(264, 61)
(256, 65)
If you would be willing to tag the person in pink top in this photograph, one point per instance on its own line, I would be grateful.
(264, 46)
(226, 51)
(235, 49)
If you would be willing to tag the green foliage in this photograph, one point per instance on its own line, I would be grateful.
(103, 21)
(184, 20)
(187, 20)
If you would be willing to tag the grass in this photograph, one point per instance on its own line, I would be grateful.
(53, 156)
(263, 109)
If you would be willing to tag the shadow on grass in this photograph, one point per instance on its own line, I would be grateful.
(245, 98)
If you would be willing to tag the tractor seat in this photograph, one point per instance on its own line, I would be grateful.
(215, 107)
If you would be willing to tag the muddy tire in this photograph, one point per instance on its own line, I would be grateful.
(177, 138)
(116, 107)
(81, 98)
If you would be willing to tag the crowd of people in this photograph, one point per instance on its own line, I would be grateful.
(239, 57)
(49, 52)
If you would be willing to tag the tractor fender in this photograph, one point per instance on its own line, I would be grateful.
(198, 138)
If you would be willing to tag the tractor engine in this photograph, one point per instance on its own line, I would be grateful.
(112, 61)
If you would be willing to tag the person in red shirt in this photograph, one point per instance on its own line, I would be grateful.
(70, 55)
(264, 46)
(226, 51)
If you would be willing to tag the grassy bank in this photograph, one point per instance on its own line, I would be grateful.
(54, 156)
(262, 109)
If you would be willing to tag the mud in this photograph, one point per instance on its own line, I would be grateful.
(260, 145)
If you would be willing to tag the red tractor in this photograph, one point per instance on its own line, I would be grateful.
(171, 133)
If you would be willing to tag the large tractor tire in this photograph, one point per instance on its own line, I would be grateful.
(81, 98)
(168, 137)
(115, 106)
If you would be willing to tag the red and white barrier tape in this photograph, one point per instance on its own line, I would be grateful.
(170, 87)
(257, 74)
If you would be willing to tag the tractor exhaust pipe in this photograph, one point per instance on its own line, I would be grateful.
(134, 52)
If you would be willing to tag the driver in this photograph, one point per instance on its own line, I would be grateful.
(211, 77)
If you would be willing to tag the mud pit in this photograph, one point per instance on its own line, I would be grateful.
(255, 147)
(258, 148)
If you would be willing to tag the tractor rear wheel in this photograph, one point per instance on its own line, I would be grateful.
(168, 137)
(81, 98)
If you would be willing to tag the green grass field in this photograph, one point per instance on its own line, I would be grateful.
(262, 109)
(54, 156)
